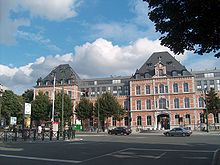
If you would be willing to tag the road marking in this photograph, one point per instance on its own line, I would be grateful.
(168, 150)
(10, 149)
(40, 159)
(215, 158)
(108, 154)
(201, 158)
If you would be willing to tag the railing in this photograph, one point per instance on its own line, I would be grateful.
(33, 135)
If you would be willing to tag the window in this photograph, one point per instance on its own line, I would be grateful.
(177, 119)
(137, 76)
(174, 73)
(161, 72)
(113, 121)
(176, 103)
(126, 105)
(147, 75)
(216, 118)
(138, 90)
(139, 121)
(205, 84)
(161, 88)
(186, 87)
(162, 103)
(46, 93)
(91, 121)
(116, 81)
(187, 119)
(209, 74)
(70, 94)
(201, 102)
(166, 89)
(199, 85)
(126, 121)
(156, 89)
(148, 104)
(218, 84)
(149, 122)
(120, 90)
(138, 104)
(175, 88)
(147, 89)
(115, 91)
(186, 102)
(212, 84)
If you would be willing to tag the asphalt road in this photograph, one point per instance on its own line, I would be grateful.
(92, 149)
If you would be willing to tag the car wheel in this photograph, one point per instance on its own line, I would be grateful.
(183, 134)
(167, 134)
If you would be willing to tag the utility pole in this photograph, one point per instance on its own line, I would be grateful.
(206, 110)
(62, 108)
(98, 116)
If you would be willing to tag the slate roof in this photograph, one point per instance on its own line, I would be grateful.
(166, 59)
(63, 71)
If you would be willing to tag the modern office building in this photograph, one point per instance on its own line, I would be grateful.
(162, 94)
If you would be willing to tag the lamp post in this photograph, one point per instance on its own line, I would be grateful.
(206, 110)
(54, 83)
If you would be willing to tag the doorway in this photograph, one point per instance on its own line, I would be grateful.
(163, 121)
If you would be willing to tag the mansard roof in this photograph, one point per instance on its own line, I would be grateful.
(164, 58)
(62, 72)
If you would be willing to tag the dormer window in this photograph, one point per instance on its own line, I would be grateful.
(174, 73)
(137, 76)
(161, 72)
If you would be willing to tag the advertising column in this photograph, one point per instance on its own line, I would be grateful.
(27, 115)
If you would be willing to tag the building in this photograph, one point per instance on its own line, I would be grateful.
(162, 94)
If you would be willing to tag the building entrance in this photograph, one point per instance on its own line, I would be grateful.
(163, 121)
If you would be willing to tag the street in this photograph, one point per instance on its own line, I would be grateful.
(94, 149)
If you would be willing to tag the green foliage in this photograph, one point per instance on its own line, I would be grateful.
(67, 109)
(28, 95)
(84, 109)
(107, 106)
(11, 106)
(41, 108)
(187, 25)
(212, 102)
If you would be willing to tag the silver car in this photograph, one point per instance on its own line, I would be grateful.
(179, 131)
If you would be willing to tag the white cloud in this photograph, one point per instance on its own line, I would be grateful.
(38, 38)
(54, 10)
(100, 58)
(51, 9)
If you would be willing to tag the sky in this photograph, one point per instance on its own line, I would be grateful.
(98, 38)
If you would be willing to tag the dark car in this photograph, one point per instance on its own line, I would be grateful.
(179, 131)
(119, 131)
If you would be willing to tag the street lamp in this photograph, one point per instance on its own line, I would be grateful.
(54, 83)
(206, 110)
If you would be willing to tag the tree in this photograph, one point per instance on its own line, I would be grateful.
(84, 110)
(67, 107)
(28, 95)
(11, 107)
(187, 25)
(212, 103)
(41, 108)
(107, 106)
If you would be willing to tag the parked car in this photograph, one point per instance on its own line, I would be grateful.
(179, 131)
(120, 131)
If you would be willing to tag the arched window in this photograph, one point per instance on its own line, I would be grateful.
(147, 75)
(174, 73)
(139, 121)
(161, 88)
(176, 103)
(175, 88)
(147, 89)
(186, 102)
(201, 102)
(113, 121)
(186, 87)
(162, 103)
(187, 119)
(184, 72)
(137, 76)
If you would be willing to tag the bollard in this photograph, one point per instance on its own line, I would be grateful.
(68, 134)
(73, 134)
(51, 134)
(64, 134)
(16, 135)
(58, 135)
(35, 132)
(5, 136)
(42, 135)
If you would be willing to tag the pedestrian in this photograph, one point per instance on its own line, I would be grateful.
(39, 129)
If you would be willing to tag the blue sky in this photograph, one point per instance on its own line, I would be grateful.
(98, 38)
